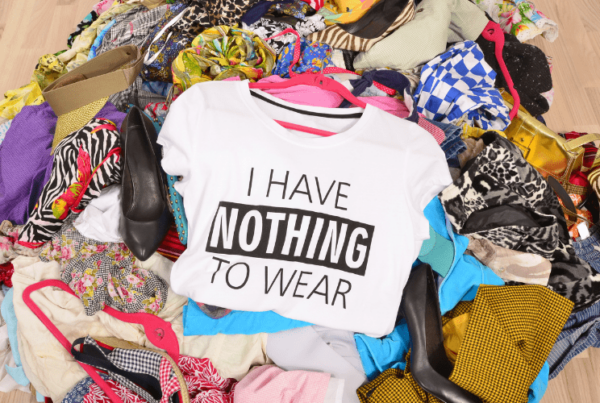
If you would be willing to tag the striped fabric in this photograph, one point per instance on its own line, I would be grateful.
(337, 38)
(171, 247)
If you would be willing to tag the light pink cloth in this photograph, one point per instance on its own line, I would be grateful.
(269, 383)
(102, 6)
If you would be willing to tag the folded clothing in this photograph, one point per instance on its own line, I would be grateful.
(197, 323)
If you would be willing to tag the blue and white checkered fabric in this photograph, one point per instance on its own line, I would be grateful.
(459, 82)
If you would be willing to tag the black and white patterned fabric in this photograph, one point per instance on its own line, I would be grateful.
(141, 361)
(136, 361)
(86, 161)
(132, 28)
(265, 28)
(502, 198)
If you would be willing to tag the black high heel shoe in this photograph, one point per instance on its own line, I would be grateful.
(428, 362)
(145, 217)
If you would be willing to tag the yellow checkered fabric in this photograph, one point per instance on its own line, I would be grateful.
(510, 334)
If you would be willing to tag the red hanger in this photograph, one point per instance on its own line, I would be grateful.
(312, 79)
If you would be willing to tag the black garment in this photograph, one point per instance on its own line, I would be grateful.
(502, 198)
(528, 68)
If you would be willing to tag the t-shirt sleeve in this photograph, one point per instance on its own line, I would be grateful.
(177, 138)
(427, 174)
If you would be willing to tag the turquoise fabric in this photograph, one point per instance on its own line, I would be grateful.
(9, 315)
(196, 322)
(98, 40)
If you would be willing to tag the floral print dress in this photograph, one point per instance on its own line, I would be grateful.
(104, 273)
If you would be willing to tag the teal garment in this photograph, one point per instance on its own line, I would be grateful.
(98, 40)
(197, 323)
(9, 315)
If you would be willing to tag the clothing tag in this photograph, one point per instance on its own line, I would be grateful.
(584, 232)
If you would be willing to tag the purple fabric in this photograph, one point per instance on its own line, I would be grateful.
(25, 160)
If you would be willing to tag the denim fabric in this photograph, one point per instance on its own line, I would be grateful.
(453, 144)
(589, 249)
(581, 331)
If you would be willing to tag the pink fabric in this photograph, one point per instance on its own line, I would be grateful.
(102, 6)
(315, 96)
(268, 383)
(437, 133)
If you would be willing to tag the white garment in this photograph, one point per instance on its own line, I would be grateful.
(100, 219)
(319, 229)
(53, 371)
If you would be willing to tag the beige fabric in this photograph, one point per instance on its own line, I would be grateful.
(52, 370)
(511, 265)
(436, 23)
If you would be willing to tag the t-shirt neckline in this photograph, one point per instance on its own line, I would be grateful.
(316, 141)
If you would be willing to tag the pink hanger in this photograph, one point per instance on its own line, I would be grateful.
(312, 79)
(493, 32)
(158, 331)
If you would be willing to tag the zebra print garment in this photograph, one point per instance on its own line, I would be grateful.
(84, 163)
(337, 38)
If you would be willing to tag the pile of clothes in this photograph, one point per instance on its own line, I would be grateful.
(295, 201)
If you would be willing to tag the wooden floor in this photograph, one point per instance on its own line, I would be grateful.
(31, 28)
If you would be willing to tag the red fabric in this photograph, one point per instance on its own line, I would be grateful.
(437, 133)
(590, 149)
(6, 272)
(579, 179)
(171, 247)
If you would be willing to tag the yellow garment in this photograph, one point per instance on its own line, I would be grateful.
(222, 52)
(49, 69)
(476, 132)
(77, 55)
(454, 334)
(510, 331)
(346, 11)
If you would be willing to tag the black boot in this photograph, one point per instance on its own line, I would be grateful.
(429, 364)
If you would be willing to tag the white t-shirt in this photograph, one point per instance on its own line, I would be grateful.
(319, 229)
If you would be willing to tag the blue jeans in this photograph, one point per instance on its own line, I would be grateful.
(582, 330)
(452, 144)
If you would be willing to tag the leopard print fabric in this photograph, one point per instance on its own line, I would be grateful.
(226, 12)
(500, 176)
